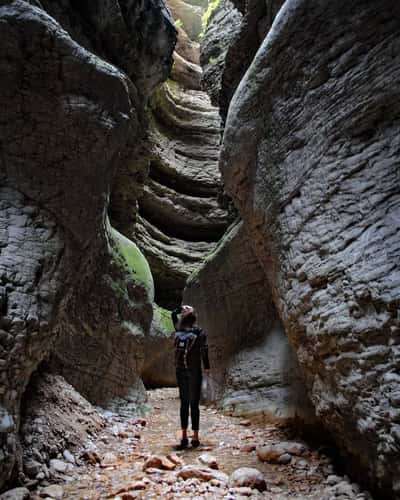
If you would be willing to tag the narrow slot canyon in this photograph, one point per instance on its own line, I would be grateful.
(237, 157)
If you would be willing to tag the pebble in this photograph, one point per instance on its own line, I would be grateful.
(208, 460)
(284, 459)
(69, 457)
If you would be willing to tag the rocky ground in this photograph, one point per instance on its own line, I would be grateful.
(134, 457)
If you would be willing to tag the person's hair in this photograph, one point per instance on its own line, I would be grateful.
(188, 320)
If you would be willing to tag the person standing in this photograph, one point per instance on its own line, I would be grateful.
(191, 351)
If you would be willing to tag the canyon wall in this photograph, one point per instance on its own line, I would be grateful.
(310, 157)
(69, 121)
(181, 213)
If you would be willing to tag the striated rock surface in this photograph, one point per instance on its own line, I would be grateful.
(254, 369)
(233, 34)
(181, 215)
(310, 155)
(68, 121)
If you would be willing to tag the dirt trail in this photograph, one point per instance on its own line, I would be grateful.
(119, 454)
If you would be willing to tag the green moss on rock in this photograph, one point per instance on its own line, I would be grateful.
(129, 255)
(162, 320)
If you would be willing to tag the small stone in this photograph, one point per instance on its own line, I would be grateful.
(159, 462)
(332, 480)
(172, 457)
(248, 476)
(284, 459)
(58, 465)
(208, 460)
(52, 491)
(32, 468)
(202, 473)
(69, 457)
(248, 448)
(91, 457)
(344, 488)
(245, 423)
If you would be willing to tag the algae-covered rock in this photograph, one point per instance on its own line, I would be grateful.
(159, 363)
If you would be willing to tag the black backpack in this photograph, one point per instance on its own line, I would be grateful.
(184, 343)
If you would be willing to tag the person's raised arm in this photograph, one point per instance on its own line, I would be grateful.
(174, 316)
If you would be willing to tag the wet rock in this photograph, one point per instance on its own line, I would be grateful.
(52, 491)
(208, 460)
(247, 476)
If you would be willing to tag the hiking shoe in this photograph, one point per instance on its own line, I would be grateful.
(195, 443)
(182, 445)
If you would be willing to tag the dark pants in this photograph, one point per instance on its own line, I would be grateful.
(189, 383)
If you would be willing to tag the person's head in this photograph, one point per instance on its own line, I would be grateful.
(188, 320)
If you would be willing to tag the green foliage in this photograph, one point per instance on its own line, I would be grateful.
(133, 260)
(212, 5)
(163, 320)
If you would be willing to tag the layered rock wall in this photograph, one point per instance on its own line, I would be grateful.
(310, 156)
(181, 215)
(68, 121)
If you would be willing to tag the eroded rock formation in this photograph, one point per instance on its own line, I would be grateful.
(69, 119)
(254, 369)
(181, 217)
(310, 156)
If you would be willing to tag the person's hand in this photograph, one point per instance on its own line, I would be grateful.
(187, 309)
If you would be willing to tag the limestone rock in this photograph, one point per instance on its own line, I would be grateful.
(255, 373)
(202, 473)
(248, 476)
(68, 119)
(16, 494)
(314, 175)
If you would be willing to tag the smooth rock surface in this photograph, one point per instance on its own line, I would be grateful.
(253, 366)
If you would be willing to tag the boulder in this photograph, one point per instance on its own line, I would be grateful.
(248, 476)
(16, 494)
(314, 175)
